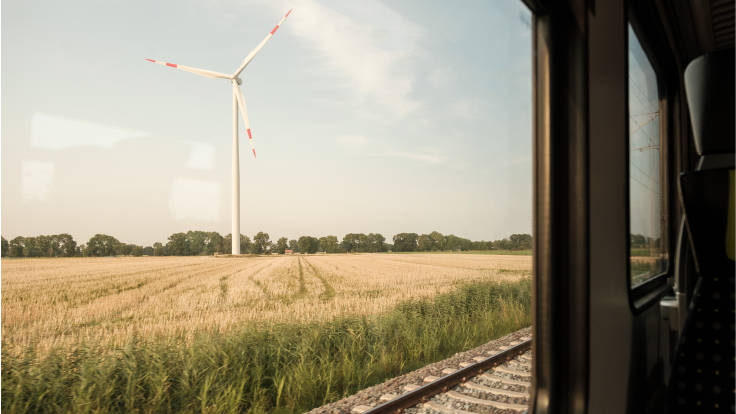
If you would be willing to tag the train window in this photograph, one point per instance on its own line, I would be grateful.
(646, 207)
(388, 210)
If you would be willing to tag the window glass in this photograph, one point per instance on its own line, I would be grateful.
(385, 223)
(646, 216)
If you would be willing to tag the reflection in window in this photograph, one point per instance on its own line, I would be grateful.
(646, 218)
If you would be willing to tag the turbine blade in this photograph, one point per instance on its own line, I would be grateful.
(252, 54)
(244, 112)
(203, 72)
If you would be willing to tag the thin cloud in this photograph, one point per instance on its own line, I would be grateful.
(359, 142)
(425, 157)
(353, 50)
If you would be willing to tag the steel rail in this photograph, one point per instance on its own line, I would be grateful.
(443, 384)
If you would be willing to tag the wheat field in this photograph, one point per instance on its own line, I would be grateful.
(51, 303)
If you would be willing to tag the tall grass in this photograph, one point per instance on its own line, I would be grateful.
(284, 367)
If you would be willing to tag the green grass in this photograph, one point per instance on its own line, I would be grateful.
(275, 369)
(494, 252)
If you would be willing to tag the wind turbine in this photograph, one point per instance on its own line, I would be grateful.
(237, 101)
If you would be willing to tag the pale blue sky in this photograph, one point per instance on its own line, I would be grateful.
(366, 117)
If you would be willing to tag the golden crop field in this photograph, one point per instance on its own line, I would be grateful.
(53, 302)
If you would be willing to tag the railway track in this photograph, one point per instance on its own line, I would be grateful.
(498, 383)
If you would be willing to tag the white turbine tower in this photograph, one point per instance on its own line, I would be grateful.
(237, 99)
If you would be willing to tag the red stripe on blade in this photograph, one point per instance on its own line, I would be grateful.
(254, 152)
(171, 64)
(150, 60)
(274, 29)
(287, 14)
(249, 135)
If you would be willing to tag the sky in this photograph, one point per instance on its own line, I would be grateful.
(644, 174)
(367, 117)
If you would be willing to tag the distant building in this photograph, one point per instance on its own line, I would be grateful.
(288, 252)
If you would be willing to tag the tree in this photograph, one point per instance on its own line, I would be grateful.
(304, 244)
(479, 245)
(123, 249)
(452, 242)
(158, 249)
(226, 245)
(504, 244)
(638, 241)
(261, 243)
(364, 243)
(67, 245)
(214, 242)
(438, 241)
(281, 245)
(246, 245)
(293, 246)
(46, 244)
(197, 242)
(425, 243)
(178, 244)
(148, 251)
(465, 244)
(516, 240)
(377, 242)
(16, 247)
(5, 247)
(101, 245)
(521, 241)
(136, 251)
(405, 242)
(29, 247)
(308, 244)
(328, 244)
(351, 242)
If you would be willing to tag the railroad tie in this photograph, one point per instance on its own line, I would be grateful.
(431, 378)
(468, 399)
(520, 363)
(478, 358)
(448, 371)
(442, 409)
(491, 377)
(465, 364)
(387, 397)
(478, 387)
(411, 387)
(508, 370)
(360, 409)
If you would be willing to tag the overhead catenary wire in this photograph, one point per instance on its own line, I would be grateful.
(648, 103)
(644, 185)
(640, 126)
(651, 178)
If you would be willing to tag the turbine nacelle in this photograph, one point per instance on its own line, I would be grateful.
(237, 79)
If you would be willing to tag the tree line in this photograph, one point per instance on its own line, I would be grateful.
(639, 241)
(201, 243)
(436, 241)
